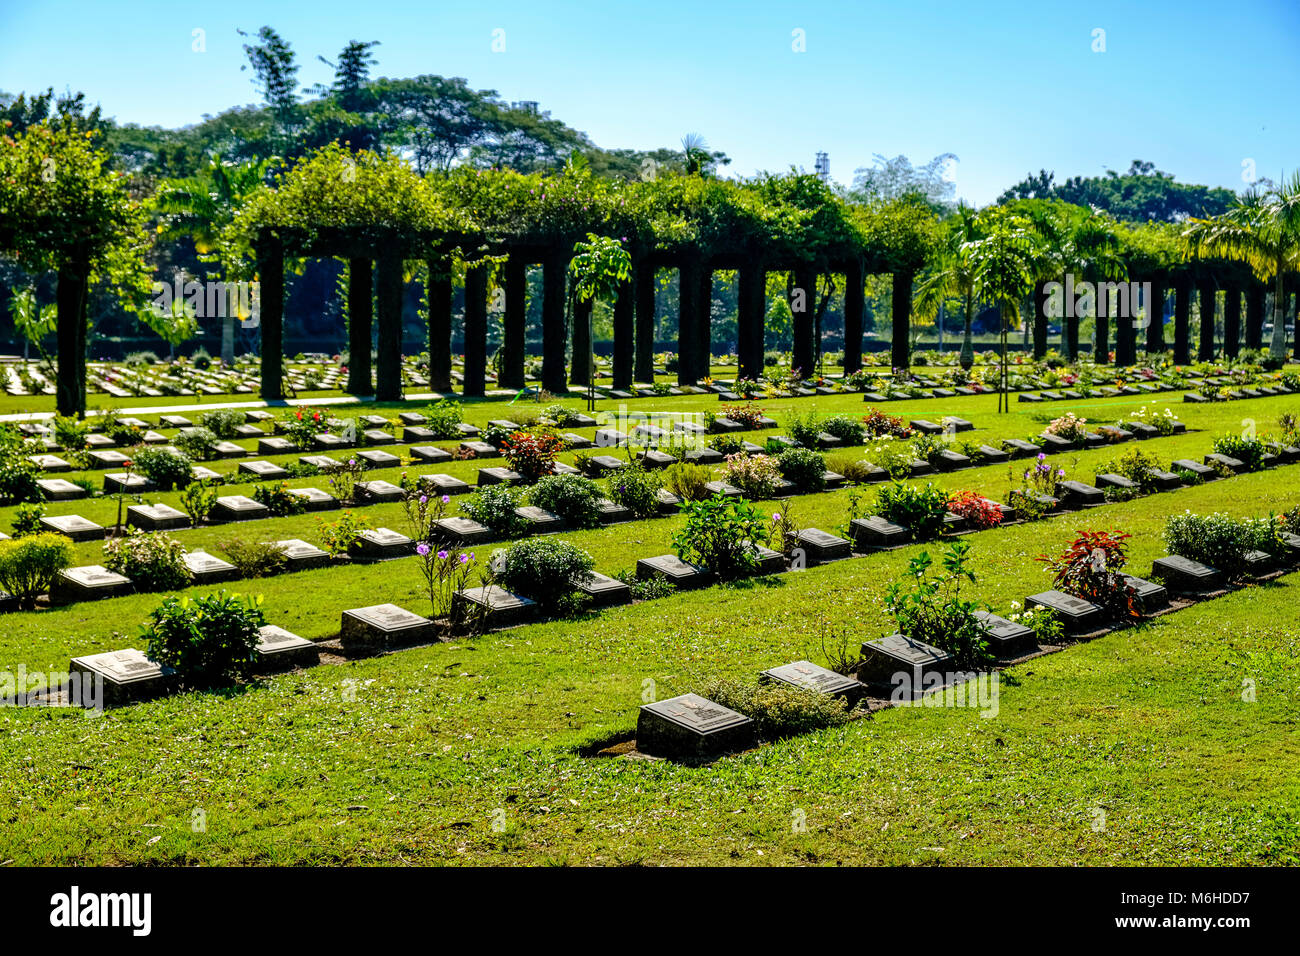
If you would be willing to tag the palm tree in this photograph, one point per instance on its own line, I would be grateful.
(695, 154)
(1262, 230)
(1003, 268)
(950, 274)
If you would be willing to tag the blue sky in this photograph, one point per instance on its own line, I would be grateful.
(1196, 87)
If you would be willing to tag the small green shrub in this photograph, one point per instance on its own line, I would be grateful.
(803, 467)
(920, 510)
(779, 710)
(1220, 540)
(719, 535)
(756, 476)
(278, 499)
(253, 559)
(635, 487)
(572, 497)
(166, 469)
(28, 566)
(494, 508)
(930, 608)
(687, 480)
(71, 432)
(804, 428)
(27, 518)
(222, 422)
(154, 561)
(198, 499)
(545, 569)
(199, 443)
(1249, 451)
(207, 640)
(339, 535)
(848, 430)
(443, 417)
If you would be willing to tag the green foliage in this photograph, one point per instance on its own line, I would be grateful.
(719, 535)
(154, 561)
(756, 476)
(29, 565)
(303, 424)
(544, 569)
(208, 640)
(1136, 466)
(278, 498)
(339, 535)
(599, 268)
(780, 710)
(929, 607)
(686, 480)
(920, 510)
(848, 430)
(804, 428)
(635, 487)
(494, 508)
(71, 432)
(198, 443)
(18, 473)
(805, 468)
(166, 469)
(1221, 541)
(222, 422)
(1092, 568)
(572, 497)
(1249, 451)
(443, 417)
(253, 559)
(198, 499)
(27, 518)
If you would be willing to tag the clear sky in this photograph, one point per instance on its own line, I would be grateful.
(1198, 88)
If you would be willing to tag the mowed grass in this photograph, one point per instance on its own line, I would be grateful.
(471, 751)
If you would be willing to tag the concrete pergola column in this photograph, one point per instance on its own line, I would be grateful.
(1039, 325)
(643, 291)
(1255, 292)
(514, 327)
(1156, 318)
(751, 288)
(578, 366)
(1182, 311)
(476, 286)
(855, 310)
(1232, 321)
(553, 326)
(440, 294)
(359, 327)
(624, 321)
(901, 318)
(388, 298)
(704, 325)
(270, 273)
(688, 293)
(1208, 296)
(1125, 333)
(803, 354)
(1101, 333)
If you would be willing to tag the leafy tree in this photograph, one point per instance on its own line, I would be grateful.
(895, 178)
(1143, 194)
(1003, 268)
(951, 273)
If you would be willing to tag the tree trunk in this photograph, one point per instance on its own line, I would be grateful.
(1208, 296)
(623, 327)
(1277, 345)
(514, 328)
(553, 325)
(1182, 310)
(855, 306)
(476, 287)
(643, 282)
(901, 316)
(751, 291)
(440, 298)
(270, 272)
(1232, 322)
(70, 298)
(804, 296)
(967, 356)
(388, 296)
(360, 297)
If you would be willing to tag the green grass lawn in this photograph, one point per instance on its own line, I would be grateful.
(472, 751)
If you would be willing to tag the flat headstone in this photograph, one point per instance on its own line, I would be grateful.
(266, 470)
(958, 424)
(238, 508)
(605, 591)
(128, 675)
(374, 421)
(481, 449)
(323, 462)
(722, 488)
(327, 440)
(107, 459)
(505, 423)
(874, 532)
(949, 460)
(691, 728)
(1110, 480)
(993, 456)
(249, 430)
(493, 606)
(498, 476)
(377, 436)
(674, 570)
(228, 449)
(1187, 576)
(257, 415)
(275, 446)
(99, 442)
(1076, 614)
(73, 526)
(540, 521)
(611, 512)
(378, 459)
(157, 517)
(704, 456)
(809, 676)
(821, 546)
(1235, 464)
(301, 555)
(886, 659)
(1028, 397)
(430, 454)
(652, 458)
(383, 625)
(60, 489)
(722, 424)
(208, 569)
(414, 433)
(88, 583)
(768, 561)
(605, 463)
(576, 442)
(668, 502)
(281, 648)
(926, 427)
(175, 421)
(1006, 638)
(1053, 444)
(313, 499)
(376, 491)
(440, 484)
(1079, 495)
(462, 530)
(1150, 595)
(827, 440)
(1195, 467)
(1019, 448)
(411, 418)
(50, 463)
(466, 429)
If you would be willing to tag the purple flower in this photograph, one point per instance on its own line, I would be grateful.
(1041, 456)
(442, 555)
(446, 499)
(422, 549)
(464, 558)
(776, 516)
(352, 461)
(424, 499)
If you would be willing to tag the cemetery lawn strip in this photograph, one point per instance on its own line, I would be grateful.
(407, 757)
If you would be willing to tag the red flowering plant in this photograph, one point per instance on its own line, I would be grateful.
(302, 425)
(747, 414)
(1092, 568)
(878, 424)
(532, 455)
(979, 513)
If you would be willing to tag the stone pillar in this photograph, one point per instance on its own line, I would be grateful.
(643, 284)
(553, 326)
(270, 273)
(1182, 310)
(1040, 319)
(901, 315)
(1156, 319)
(1125, 332)
(803, 356)
(514, 328)
(359, 327)
(476, 288)
(70, 295)
(688, 294)
(751, 288)
(1232, 321)
(855, 307)
(704, 325)
(440, 294)
(1208, 295)
(579, 361)
(1255, 292)
(388, 297)
(624, 321)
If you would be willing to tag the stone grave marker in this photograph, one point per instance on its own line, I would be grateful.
(1110, 480)
(377, 436)
(540, 521)
(277, 647)
(383, 625)
(378, 459)
(157, 517)
(275, 446)
(498, 476)
(691, 728)
(1076, 494)
(60, 489)
(493, 606)
(128, 675)
(821, 547)
(481, 449)
(703, 456)
(430, 454)
(300, 555)
(313, 499)
(1205, 472)
(886, 659)
(809, 676)
(875, 533)
(462, 531)
(238, 508)
(605, 591)
(107, 459)
(1235, 464)
(73, 526)
(1019, 448)
(611, 512)
(440, 484)
(1187, 576)
(328, 440)
(1151, 596)
(321, 462)
(674, 570)
(89, 583)
(377, 491)
(50, 463)
(265, 470)
(606, 463)
(1006, 638)
(208, 569)
(1077, 615)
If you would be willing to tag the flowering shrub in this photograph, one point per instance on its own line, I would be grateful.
(531, 455)
(1092, 568)
(1135, 465)
(222, 421)
(302, 425)
(878, 424)
(747, 414)
(1044, 622)
(166, 469)
(421, 509)
(1162, 422)
(27, 518)
(756, 476)
(199, 443)
(932, 610)
(278, 499)
(804, 468)
(446, 570)
(494, 508)
(546, 570)
(1249, 451)
(1068, 426)
(343, 479)
(154, 561)
(1220, 540)
(979, 514)
(747, 388)
(572, 497)
(340, 535)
